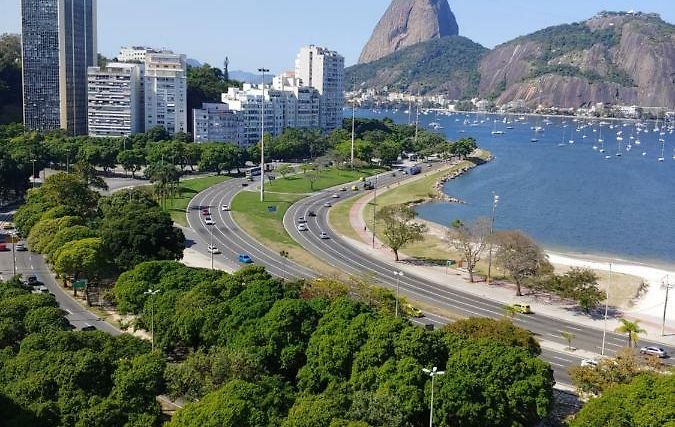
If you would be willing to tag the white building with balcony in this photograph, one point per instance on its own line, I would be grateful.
(165, 86)
(114, 100)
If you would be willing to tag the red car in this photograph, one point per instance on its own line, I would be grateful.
(206, 212)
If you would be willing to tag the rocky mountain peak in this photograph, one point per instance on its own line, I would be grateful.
(408, 22)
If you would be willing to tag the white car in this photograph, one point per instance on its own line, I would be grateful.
(20, 247)
(336, 196)
(591, 363)
(323, 235)
(302, 227)
(225, 208)
(327, 205)
(654, 351)
(209, 221)
(213, 249)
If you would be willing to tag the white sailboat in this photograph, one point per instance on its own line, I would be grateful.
(495, 131)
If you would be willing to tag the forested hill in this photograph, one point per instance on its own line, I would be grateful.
(614, 57)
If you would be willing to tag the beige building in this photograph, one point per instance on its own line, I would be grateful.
(165, 87)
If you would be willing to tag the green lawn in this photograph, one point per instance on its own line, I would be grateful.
(187, 190)
(326, 178)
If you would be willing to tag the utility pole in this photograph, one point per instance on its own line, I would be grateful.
(495, 202)
(398, 274)
(432, 373)
(262, 136)
(13, 256)
(374, 208)
(152, 295)
(604, 327)
(665, 307)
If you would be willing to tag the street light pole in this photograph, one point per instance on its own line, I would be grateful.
(398, 274)
(262, 136)
(604, 327)
(374, 208)
(432, 373)
(211, 247)
(495, 202)
(33, 161)
(152, 293)
(665, 307)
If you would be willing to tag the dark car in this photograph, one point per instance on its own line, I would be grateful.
(89, 328)
(311, 213)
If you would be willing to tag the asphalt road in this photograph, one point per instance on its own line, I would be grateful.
(232, 241)
(28, 263)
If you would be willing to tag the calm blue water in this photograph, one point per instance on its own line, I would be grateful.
(567, 196)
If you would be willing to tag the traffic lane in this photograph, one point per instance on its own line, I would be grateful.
(230, 235)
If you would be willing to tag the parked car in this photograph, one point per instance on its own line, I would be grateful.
(209, 221)
(31, 279)
(3, 247)
(21, 247)
(592, 363)
(654, 351)
(213, 249)
(302, 227)
(89, 328)
(40, 289)
(225, 208)
(522, 308)
(323, 235)
(245, 259)
(327, 205)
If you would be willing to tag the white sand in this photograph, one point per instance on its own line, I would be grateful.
(649, 306)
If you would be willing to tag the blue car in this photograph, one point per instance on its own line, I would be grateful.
(245, 259)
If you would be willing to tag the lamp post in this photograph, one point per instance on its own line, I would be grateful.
(262, 136)
(432, 373)
(374, 208)
(152, 293)
(398, 275)
(665, 307)
(604, 326)
(495, 202)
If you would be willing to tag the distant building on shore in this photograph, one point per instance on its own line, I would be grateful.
(115, 100)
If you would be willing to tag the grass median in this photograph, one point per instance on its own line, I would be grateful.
(326, 178)
(187, 190)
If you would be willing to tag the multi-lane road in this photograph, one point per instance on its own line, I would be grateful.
(335, 251)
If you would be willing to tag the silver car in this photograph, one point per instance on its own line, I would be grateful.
(654, 351)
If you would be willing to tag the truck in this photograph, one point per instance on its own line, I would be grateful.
(414, 170)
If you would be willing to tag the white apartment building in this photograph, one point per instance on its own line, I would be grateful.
(136, 53)
(217, 123)
(165, 87)
(114, 100)
(323, 70)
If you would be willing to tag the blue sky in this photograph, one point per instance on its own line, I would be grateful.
(254, 33)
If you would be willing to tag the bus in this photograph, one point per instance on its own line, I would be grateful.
(250, 173)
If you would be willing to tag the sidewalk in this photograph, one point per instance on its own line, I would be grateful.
(503, 293)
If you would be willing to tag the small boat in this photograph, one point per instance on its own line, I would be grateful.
(534, 140)
(644, 153)
(608, 157)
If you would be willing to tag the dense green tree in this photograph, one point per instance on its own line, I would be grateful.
(136, 233)
(10, 78)
(502, 332)
(86, 257)
(132, 160)
(205, 84)
(646, 401)
(42, 234)
(464, 147)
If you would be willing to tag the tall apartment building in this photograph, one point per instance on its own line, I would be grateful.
(115, 100)
(217, 123)
(40, 62)
(77, 52)
(165, 87)
(323, 70)
(58, 44)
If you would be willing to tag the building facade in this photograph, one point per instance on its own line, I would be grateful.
(58, 45)
(136, 53)
(115, 100)
(165, 87)
(217, 123)
(40, 64)
(323, 70)
(77, 52)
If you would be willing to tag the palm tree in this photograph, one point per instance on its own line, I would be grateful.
(568, 336)
(632, 329)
